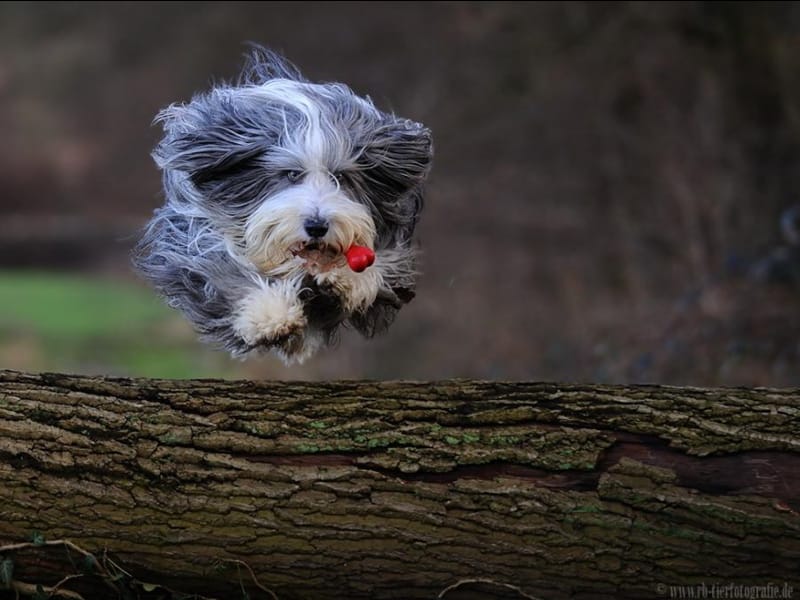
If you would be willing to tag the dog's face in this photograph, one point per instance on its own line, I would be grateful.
(284, 166)
(268, 182)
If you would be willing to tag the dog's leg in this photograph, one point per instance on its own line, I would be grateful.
(271, 314)
(357, 291)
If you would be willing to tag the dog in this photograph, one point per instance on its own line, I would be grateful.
(268, 181)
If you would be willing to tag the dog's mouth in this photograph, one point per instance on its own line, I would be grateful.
(319, 256)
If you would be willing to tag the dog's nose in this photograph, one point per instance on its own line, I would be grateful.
(316, 228)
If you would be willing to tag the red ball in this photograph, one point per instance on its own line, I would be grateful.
(359, 257)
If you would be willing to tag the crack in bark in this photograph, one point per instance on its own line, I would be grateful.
(746, 472)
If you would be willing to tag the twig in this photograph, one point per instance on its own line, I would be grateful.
(28, 589)
(65, 543)
(106, 569)
(107, 560)
(252, 575)
(56, 587)
(461, 582)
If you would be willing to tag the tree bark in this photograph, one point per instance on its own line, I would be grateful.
(453, 489)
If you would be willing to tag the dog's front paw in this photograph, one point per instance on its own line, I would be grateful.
(271, 316)
(356, 291)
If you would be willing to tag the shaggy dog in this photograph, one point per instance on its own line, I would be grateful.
(271, 184)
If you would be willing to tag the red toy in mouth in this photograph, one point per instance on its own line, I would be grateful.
(321, 257)
(359, 258)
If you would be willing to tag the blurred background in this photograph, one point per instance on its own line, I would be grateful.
(614, 194)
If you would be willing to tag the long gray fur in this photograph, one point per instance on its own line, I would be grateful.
(225, 153)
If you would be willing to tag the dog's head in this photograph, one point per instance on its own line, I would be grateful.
(285, 167)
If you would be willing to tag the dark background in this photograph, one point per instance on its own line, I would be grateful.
(605, 202)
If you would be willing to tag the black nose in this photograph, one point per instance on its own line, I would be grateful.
(316, 228)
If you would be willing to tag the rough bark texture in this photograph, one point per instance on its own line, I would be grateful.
(399, 489)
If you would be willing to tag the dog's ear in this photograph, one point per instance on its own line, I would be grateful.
(263, 64)
(397, 154)
(208, 144)
(395, 161)
(209, 155)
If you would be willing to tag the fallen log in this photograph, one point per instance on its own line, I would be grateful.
(357, 489)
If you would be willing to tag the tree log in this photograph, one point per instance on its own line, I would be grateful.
(453, 489)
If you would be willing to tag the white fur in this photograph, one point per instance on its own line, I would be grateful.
(396, 264)
(357, 290)
(277, 225)
(317, 145)
(270, 311)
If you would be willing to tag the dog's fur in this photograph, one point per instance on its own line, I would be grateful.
(245, 166)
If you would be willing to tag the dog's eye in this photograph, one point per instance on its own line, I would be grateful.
(293, 176)
(338, 176)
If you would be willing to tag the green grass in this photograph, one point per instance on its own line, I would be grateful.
(80, 324)
(74, 307)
